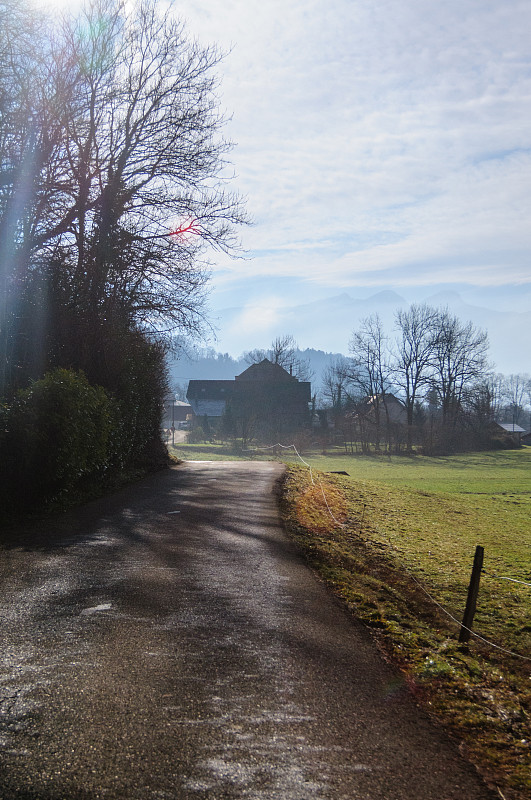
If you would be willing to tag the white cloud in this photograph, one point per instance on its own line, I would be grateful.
(256, 319)
(378, 141)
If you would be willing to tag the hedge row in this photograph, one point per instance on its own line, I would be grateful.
(63, 439)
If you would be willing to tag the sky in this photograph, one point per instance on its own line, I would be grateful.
(380, 145)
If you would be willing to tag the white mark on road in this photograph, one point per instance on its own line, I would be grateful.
(94, 609)
(102, 541)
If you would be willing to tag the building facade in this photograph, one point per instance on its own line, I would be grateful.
(264, 398)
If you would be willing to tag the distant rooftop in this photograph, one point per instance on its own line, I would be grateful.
(510, 427)
(265, 370)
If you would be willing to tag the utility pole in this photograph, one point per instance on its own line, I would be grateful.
(173, 420)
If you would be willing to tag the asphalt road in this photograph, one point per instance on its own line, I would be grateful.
(168, 642)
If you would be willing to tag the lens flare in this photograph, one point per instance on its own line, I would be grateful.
(184, 231)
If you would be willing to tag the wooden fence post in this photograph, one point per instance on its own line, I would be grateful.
(473, 589)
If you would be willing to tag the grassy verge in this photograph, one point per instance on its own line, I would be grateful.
(409, 529)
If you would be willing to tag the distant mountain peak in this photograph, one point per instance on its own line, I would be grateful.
(446, 296)
(386, 296)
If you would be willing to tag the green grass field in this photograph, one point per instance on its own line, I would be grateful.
(434, 511)
(495, 472)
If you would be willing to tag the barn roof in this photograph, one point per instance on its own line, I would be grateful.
(265, 371)
(213, 390)
(510, 427)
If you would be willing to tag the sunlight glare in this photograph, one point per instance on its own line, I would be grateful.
(58, 5)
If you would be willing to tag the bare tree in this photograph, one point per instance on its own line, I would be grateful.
(255, 356)
(495, 382)
(479, 402)
(528, 396)
(29, 133)
(335, 384)
(515, 390)
(370, 368)
(111, 186)
(413, 356)
(179, 391)
(148, 158)
(283, 351)
(459, 360)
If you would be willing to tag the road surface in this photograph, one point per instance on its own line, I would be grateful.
(168, 642)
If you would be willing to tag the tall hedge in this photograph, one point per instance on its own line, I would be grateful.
(55, 437)
(138, 386)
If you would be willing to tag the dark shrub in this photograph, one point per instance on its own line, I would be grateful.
(54, 437)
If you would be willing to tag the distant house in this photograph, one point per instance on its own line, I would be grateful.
(209, 397)
(265, 392)
(390, 408)
(376, 418)
(380, 409)
(515, 432)
(175, 411)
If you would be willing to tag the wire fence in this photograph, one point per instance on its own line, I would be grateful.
(402, 565)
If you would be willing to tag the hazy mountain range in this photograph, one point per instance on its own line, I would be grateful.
(328, 324)
(323, 329)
